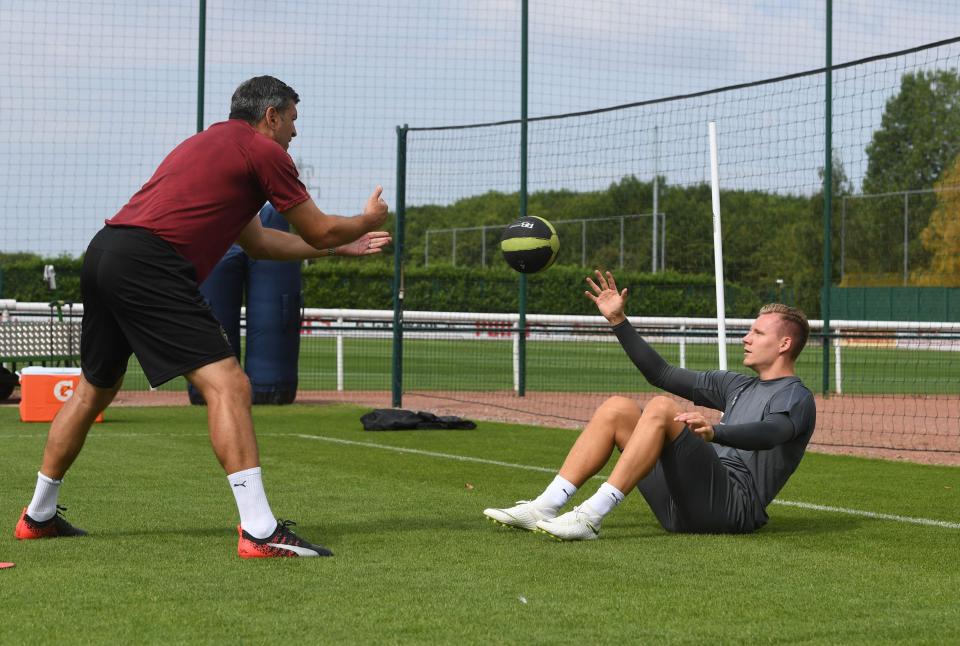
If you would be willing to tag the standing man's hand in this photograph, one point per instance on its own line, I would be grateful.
(369, 243)
(606, 297)
(376, 209)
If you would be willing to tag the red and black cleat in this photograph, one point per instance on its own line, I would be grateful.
(282, 543)
(56, 527)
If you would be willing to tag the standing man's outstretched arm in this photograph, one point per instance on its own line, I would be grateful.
(325, 231)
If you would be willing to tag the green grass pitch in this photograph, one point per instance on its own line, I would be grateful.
(417, 563)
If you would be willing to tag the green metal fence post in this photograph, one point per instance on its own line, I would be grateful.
(201, 62)
(827, 201)
(397, 381)
(522, 297)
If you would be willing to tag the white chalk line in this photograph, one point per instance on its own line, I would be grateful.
(526, 467)
(510, 465)
(868, 514)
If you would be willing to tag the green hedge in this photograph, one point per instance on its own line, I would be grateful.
(362, 285)
(556, 291)
(23, 278)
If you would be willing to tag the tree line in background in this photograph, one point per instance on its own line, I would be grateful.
(767, 237)
(912, 182)
(913, 164)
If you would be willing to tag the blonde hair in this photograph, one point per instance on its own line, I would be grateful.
(795, 322)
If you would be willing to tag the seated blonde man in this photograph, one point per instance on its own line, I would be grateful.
(695, 476)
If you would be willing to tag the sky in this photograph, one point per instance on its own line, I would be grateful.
(94, 94)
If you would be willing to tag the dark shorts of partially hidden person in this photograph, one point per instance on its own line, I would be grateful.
(140, 296)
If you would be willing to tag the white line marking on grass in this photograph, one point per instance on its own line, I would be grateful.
(869, 514)
(526, 467)
(432, 454)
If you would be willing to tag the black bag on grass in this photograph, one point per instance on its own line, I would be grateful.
(397, 419)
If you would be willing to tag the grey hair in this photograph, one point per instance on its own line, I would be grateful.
(251, 100)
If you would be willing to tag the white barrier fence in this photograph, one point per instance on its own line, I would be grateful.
(350, 323)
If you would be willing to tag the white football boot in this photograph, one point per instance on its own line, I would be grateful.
(580, 524)
(524, 515)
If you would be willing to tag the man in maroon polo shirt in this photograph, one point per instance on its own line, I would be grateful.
(140, 281)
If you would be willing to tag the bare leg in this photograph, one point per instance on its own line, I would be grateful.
(71, 425)
(611, 426)
(655, 427)
(226, 389)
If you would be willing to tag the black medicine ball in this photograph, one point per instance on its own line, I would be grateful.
(529, 244)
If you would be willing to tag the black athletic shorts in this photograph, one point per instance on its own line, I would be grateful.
(690, 490)
(140, 296)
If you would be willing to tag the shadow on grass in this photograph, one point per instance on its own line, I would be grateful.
(778, 526)
(629, 529)
(813, 524)
(387, 525)
(455, 527)
(180, 530)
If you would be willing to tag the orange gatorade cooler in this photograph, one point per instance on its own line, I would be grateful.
(44, 390)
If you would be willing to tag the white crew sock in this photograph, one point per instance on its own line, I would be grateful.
(606, 499)
(557, 493)
(44, 504)
(255, 515)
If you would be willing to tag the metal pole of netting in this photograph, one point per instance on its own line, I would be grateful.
(656, 198)
(583, 243)
(397, 380)
(906, 239)
(201, 62)
(843, 237)
(483, 247)
(718, 247)
(620, 266)
(522, 309)
(827, 200)
(663, 241)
